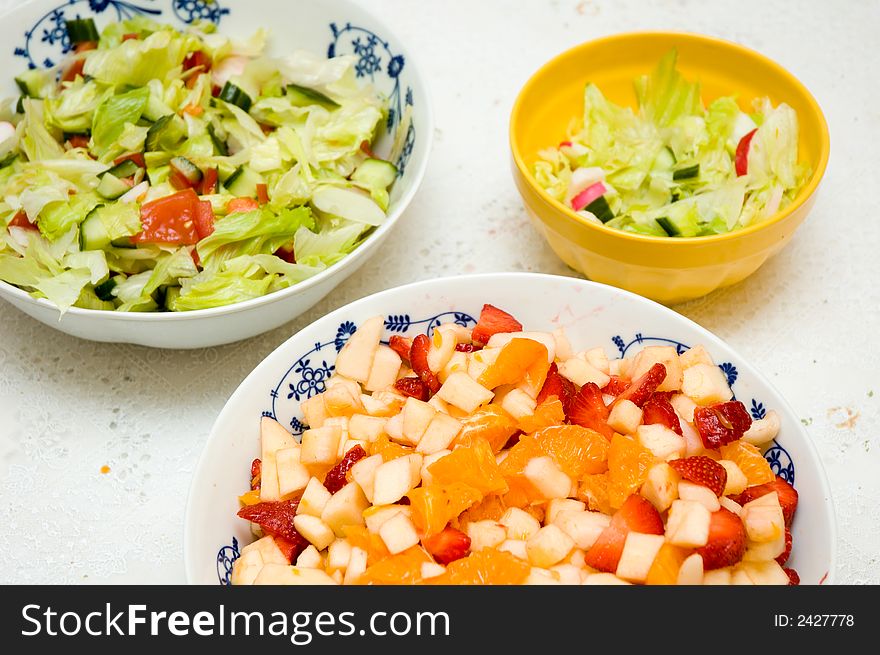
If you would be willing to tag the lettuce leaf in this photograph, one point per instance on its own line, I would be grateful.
(57, 218)
(113, 114)
(137, 61)
(250, 233)
(218, 289)
(664, 96)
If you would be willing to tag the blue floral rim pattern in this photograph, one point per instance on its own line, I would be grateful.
(307, 377)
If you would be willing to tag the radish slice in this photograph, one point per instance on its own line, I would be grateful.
(348, 203)
(581, 178)
(7, 138)
(741, 161)
(773, 201)
(135, 193)
(565, 144)
(587, 196)
(19, 235)
(228, 67)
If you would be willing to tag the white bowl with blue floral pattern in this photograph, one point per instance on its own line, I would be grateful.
(34, 35)
(592, 314)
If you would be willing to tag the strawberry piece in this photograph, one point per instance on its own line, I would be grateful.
(722, 423)
(401, 345)
(447, 545)
(290, 549)
(641, 390)
(783, 558)
(702, 470)
(793, 578)
(727, 541)
(256, 473)
(418, 357)
(493, 321)
(414, 388)
(588, 410)
(336, 477)
(276, 519)
(635, 515)
(559, 386)
(788, 496)
(467, 348)
(616, 386)
(658, 410)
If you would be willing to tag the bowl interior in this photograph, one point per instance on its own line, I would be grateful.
(554, 95)
(592, 314)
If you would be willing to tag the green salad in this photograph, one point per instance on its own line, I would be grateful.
(158, 170)
(674, 167)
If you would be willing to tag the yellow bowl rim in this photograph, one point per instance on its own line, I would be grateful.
(803, 196)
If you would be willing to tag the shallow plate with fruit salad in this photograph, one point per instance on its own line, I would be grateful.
(508, 429)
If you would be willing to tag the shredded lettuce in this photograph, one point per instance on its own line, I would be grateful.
(252, 233)
(113, 114)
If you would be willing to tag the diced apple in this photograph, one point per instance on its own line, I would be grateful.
(763, 518)
(365, 427)
(698, 493)
(717, 576)
(443, 343)
(357, 564)
(485, 534)
(394, 428)
(625, 417)
(314, 498)
(345, 507)
(761, 551)
(343, 399)
(683, 406)
(736, 479)
(398, 533)
(279, 574)
(432, 570)
(273, 437)
(547, 478)
(540, 577)
(269, 551)
(519, 524)
(356, 357)
(246, 568)
(603, 579)
(515, 547)
(310, 558)
(692, 440)
(440, 405)
(563, 345)
(568, 574)
(314, 412)
(338, 555)
(383, 373)
(579, 371)
(480, 360)
(639, 551)
(661, 486)
(763, 430)
(458, 363)
(660, 440)
(582, 526)
(548, 546)
(364, 473)
(666, 355)
(376, 515)
(765, 573)
(518, 404)
(314, 530)
(417, 415)
(691, 571)
(394, 479)
(440, 434)
(462, 391)
(706, 384)
(576, 557)
(730, 505)
(739, 577)
(293, 476)
(545, 338)
(557, 505)
(319, 445)
(597, 358)
(695, 355)
(688, 524)
(382, 403)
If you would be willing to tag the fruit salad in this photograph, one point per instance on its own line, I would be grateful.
(502, 456)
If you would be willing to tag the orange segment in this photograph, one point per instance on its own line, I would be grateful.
(388, 449)
(577, 451)
(593, 490)
(491, 423)
(487, 566)
(400, 569)
(472, 465)
(548, 413)
(435, 505)
(750, 460)
(491, 508)
(664, 570)
(371, 543)
(519, 360)
(250, 498)
(628, 464)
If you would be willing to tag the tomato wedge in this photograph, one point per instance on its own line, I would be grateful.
(21, 220)
(209, 182)
(78, 141)
(136, 157)
(241, 205)
(76, 68)
(262, 194)
(171, 219)
(204, 219)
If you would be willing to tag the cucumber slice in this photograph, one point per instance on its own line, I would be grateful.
(219, 145)
(235, 96)
(668, 226)
(300, 96)
(125, 168)
(81, 30)
(166, 133)
(600, 209)
(187, 170)
(375, 173)
(243, 182)
(665, 159)
(104, 291)
(171, 294)
(349, 204)
(93, 233)
(31, 83)
(111, 187)
(687, 173)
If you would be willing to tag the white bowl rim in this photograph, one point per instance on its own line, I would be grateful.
(784, 406)
(359, 253)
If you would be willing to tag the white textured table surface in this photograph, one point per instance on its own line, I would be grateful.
(809, 319)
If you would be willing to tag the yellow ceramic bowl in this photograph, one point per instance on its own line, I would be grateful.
(669, 270)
